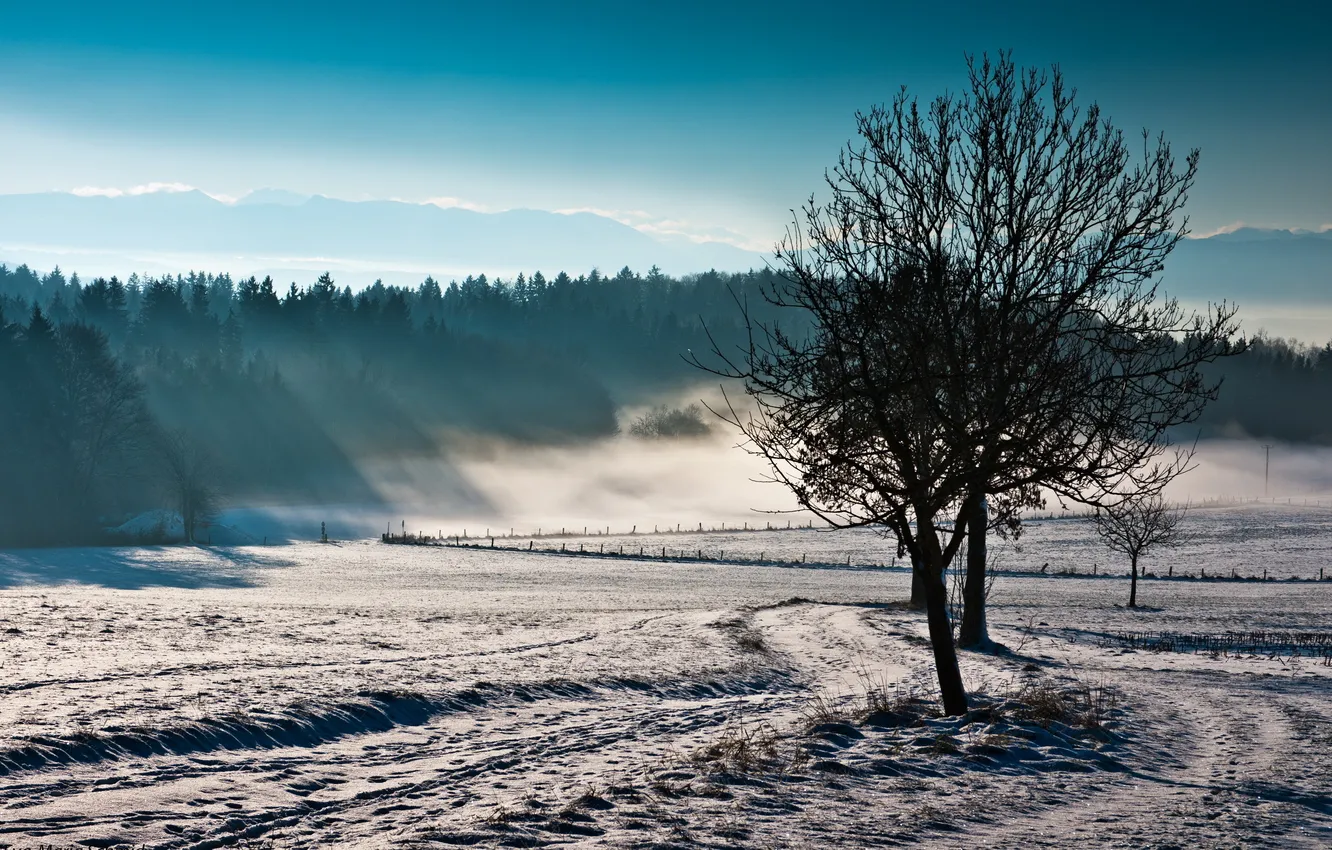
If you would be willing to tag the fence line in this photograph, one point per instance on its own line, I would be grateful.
(659, 529)
(645, 552)
(697, 554)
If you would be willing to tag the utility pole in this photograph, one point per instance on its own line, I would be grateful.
(1267, 465)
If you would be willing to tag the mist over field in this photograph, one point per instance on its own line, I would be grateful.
(482, 486)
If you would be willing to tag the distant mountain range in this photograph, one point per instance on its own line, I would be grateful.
(293, 235)
(1273, 267)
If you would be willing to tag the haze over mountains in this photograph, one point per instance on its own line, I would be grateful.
(1281, 279)
(281, 232)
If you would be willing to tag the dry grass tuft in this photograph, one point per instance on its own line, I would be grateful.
(742, 630)
(1088, 705)
(590, 798)
(945, 744)
(878, 702)
(743, 749)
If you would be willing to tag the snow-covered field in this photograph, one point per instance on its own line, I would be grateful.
(363, 695)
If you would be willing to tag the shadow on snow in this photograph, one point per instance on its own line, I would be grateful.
(134, 568)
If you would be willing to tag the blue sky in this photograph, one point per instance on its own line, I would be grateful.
(704, 119)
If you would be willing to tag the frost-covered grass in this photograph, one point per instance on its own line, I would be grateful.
(358, 694)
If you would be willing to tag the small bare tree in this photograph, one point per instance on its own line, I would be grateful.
(191, 480)
(1136, 526)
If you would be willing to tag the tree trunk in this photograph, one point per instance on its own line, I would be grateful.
(1133, 582)
(917, 586)
(972, 631)
(951, 689)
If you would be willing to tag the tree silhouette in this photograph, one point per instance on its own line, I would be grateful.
(986, 328)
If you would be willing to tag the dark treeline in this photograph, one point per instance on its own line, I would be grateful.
(1279, 389)
(103, 382)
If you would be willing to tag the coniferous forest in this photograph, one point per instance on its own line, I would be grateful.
(118, 396)
(275, 394)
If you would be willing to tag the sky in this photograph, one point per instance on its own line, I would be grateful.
(707, 120)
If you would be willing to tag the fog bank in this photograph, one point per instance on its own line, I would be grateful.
(496, 487)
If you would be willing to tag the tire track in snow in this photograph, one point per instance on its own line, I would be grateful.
(1214, 760)
(219, 667)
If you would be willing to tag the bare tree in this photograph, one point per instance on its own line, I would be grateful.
(985, 328)
(191, 480)
(1136, 526)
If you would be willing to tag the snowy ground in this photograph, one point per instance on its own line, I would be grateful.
(362, 695)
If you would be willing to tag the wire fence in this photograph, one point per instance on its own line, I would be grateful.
(1265, 643)
(642, 551)
(630, 551)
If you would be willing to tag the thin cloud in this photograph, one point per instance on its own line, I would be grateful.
(1240, 225)
(1223, 229)
(640, 220)
(145, 189)
(668, 228)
